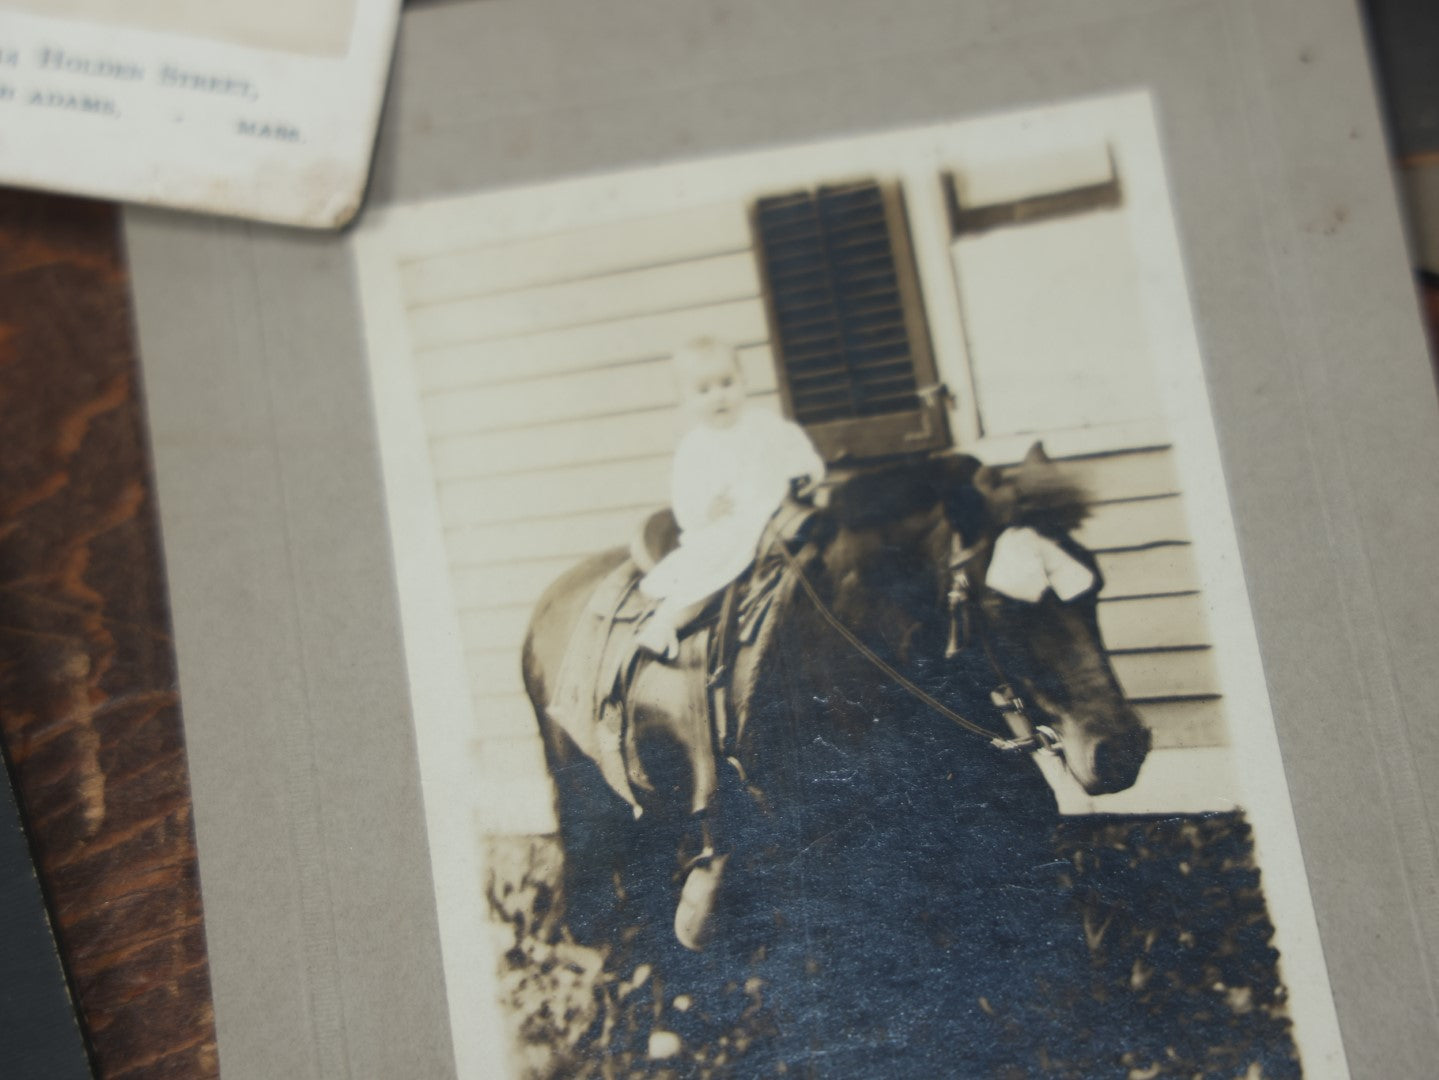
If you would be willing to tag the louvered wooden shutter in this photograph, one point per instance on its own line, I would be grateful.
(847, 324)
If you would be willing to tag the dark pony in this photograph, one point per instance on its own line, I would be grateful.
(873, 831)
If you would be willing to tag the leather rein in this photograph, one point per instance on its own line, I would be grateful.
(1028, 736)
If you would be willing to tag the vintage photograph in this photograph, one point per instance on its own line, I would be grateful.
(829, 650)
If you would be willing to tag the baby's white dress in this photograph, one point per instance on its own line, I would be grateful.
(752, 462)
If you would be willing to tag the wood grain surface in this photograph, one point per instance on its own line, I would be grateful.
(89, 708)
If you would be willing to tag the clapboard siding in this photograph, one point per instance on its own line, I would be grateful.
(496, 628)
(545, 442)
(578, 254)
(1166, 674)
(580, 489)
(1190, 723)
(514, 755)
(576, 396)
(542, 538)
(1143, 474)
(625, 437)
(1154, 622)
(518, 582)
(495, 674)
(1154, 571)
(504, 717)
(578, 348)
(1134, 523)
(520, 805)
(621, 295)
(511, 800)
(558, 399)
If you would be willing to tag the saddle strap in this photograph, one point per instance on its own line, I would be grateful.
(719, 662)
(752, 628)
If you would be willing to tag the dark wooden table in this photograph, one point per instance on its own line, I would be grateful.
(89, 708)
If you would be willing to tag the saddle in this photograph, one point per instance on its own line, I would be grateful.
(601, 661)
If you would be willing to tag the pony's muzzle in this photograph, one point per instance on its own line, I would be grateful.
(1113, 762)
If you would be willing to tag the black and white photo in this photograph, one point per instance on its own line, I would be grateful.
(824, 623)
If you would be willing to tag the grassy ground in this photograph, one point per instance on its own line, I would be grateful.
(1180, 979)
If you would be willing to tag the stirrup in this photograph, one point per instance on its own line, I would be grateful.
(668, 655)
(694, 915)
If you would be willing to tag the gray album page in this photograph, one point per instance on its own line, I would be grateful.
(1068, 721)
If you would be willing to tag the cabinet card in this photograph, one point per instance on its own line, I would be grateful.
(262, 110)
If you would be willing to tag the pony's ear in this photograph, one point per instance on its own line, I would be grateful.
(1045, 494)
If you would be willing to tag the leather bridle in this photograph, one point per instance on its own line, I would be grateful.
(962, 598)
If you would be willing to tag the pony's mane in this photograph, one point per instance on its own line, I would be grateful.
(878, 496)
(1036, 493)
(1044, 497)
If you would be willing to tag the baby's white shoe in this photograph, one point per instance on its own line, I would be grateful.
(694, 915)
(660, 639)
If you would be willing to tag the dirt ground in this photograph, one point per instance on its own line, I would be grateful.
(1180, 981)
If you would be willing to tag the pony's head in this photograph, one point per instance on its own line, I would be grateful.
(968, 579)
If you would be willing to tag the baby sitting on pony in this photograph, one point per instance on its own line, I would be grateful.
(732, 470)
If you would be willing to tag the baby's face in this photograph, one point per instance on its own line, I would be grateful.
(714, 389)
